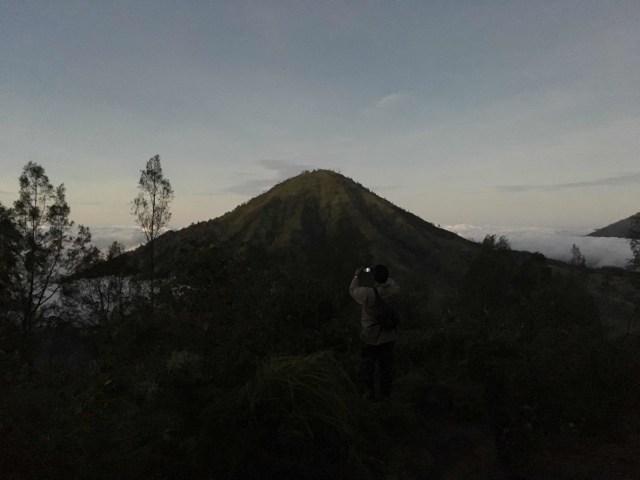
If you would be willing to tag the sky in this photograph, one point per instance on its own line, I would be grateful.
(480, 114)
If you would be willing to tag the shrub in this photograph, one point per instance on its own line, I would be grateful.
(184, 366)
(297, 419)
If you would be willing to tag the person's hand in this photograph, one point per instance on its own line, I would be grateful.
(358, 271)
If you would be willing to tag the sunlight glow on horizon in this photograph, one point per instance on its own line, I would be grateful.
(465, 112)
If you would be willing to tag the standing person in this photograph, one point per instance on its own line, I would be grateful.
(377, 343)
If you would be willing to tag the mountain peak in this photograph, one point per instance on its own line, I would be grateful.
(323, 220)
(320, 182)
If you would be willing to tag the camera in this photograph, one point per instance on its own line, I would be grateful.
(367, 269)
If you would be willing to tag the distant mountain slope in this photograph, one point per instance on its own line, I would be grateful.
(300, 242)
(319, 222)
(621, 229)
(321, 212)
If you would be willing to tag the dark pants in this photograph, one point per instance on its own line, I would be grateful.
(378, 359)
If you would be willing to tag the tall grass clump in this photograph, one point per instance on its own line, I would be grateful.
(298, 418)
(314, 388)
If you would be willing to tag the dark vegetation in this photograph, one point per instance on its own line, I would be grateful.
(244, 364)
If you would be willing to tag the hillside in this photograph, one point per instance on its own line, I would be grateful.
(312, 230)
(621, 229)
(246, 363)
(321, 223)
(322, 209)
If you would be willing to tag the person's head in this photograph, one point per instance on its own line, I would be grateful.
(380, 273)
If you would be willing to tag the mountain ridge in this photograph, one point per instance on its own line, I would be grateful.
(318, 207)
(625, 228)
(318, 221)
(308, 233)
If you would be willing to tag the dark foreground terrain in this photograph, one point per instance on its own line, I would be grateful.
(238, 358)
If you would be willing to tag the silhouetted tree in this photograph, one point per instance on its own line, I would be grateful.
(487, 284)
(44, 246)
(634, 264)
(578, 262)
(152, 205)
(634, 243)
(98, 299)
(8, 243)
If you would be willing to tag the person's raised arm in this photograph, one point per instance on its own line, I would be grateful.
(357, 292)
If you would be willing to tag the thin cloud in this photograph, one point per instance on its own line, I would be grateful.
(630, 179)
(394, 101)
(251, 187)
(283, 169)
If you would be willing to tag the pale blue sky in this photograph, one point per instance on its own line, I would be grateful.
(477, 112)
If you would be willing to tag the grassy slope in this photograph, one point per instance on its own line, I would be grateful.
(324, 221)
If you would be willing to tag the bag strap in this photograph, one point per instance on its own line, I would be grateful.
(385, 306)
(379, 297)
(375, 290)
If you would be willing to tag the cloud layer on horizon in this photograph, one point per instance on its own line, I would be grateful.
(130, 236)
(556, 244)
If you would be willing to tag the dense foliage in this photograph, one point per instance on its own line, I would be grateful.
(254, 375)
(245, 365)
(39, 245)
(151, 208)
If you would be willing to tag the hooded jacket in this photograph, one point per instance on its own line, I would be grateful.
(370, 331)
